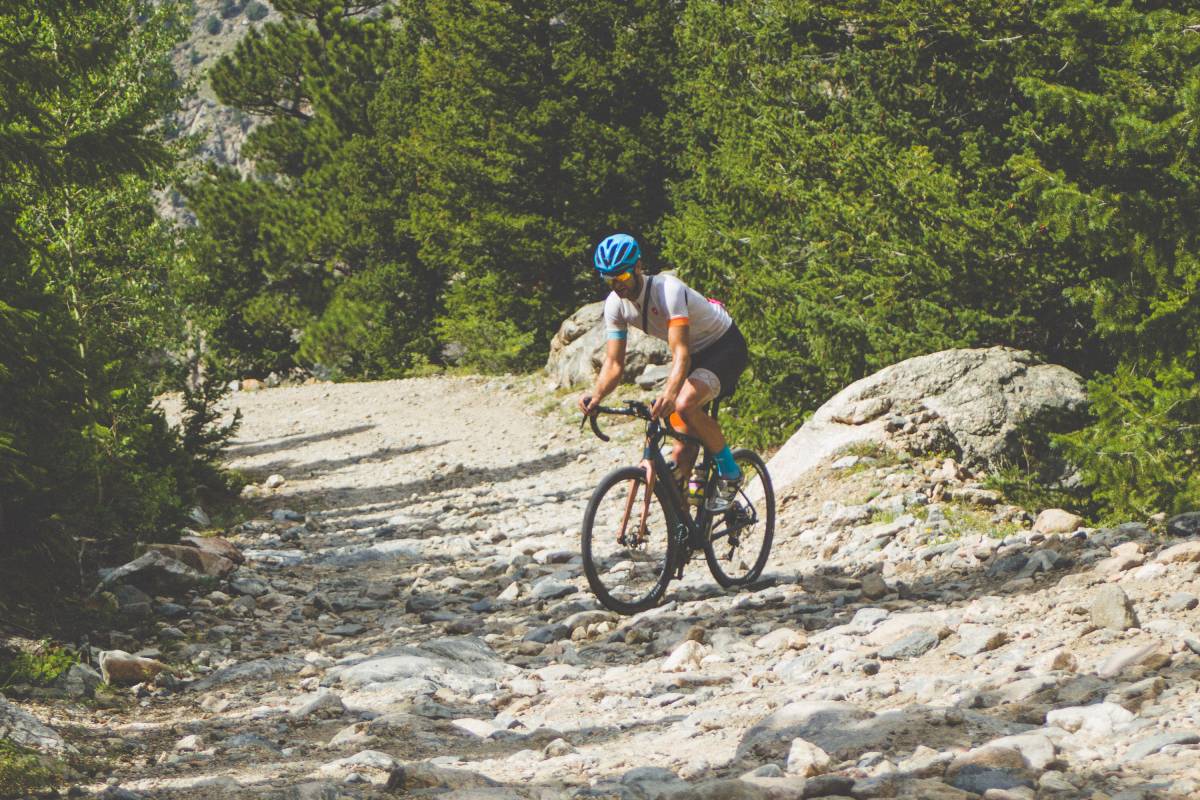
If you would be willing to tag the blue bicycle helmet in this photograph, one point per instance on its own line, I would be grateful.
(616, 254)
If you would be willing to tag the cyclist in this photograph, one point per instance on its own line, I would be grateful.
(708, 354)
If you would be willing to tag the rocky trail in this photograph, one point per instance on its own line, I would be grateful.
(410, 618)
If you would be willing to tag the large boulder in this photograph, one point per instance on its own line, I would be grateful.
(203, 561)
(153, 572)
(577, 350)
(22, 728)
(984, 404)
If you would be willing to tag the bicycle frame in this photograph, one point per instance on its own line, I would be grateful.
(689, 533)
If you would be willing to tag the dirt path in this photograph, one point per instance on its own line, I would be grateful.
(412, 619)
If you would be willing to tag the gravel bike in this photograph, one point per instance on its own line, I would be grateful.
(642, 526)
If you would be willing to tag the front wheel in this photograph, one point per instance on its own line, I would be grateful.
(741, 537)
(626, 543)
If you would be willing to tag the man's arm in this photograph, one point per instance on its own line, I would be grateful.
(609, 377)
(679, 342)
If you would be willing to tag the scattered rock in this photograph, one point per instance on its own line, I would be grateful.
(914, 645)
(119, 668)
(80, 680)
(1182, 601)
(1186, 524)
(835, 727)
(203, 561)
(215, 545)
(1112, 609)
(807, 759)
(1095, 721)
(685, 657)
(1181, 553)
(1152, 744)
(22, 728)
(1055, 520)
(874, 586)
(154, 573)
(975, 639)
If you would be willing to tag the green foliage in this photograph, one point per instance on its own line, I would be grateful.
(861, 182)
(851, 198)
(1139, 456)
(256, 11)
(88, 465)
(540, 131)
(41, 667)
(23, 770)
(212, 25)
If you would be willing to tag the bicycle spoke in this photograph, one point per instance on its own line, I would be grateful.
(626, 570)
(738, 546)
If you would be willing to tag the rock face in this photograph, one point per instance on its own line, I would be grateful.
(977, 402)
(22, 728)
(122, 669)
(203, 561)
(577, 350)
(155, 573)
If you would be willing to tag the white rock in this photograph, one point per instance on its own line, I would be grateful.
(374, 762)
(1036, 747)
(524, 687)
(782, 639)
(685, 657)
(1056, 520)
(324, 703)
(21, 727)
(807, 759)
(1094, 721)
(1150, 572)
(274, 481)
(190, 743)
(475, 727)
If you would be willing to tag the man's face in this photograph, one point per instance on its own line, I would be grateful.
(626, 284)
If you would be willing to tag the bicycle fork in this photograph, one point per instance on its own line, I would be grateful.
(643, 514)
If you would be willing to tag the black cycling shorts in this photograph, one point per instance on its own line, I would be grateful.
(726, 358)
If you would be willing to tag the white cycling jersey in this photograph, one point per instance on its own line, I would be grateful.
(671, 303)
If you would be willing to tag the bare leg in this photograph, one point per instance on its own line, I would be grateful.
(690, 406)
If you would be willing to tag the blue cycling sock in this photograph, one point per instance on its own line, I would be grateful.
(726, 466)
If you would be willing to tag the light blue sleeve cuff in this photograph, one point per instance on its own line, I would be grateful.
(617, 334)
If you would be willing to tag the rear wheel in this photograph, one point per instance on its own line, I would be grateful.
(741, 537)
(627, 563)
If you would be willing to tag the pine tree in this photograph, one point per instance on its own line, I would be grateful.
(540, 132)
(311, 260)
(849, 190)
(85, 301)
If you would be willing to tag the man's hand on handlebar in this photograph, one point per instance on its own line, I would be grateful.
(663, 407)
(588, 404)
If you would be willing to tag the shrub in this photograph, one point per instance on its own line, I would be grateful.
(256, 11)
(212, 25)
(40, 667)
(1139, 455)
(22, 770)
(231, 8)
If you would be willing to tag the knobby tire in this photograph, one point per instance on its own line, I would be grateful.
(746, 562)
(651, 559)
